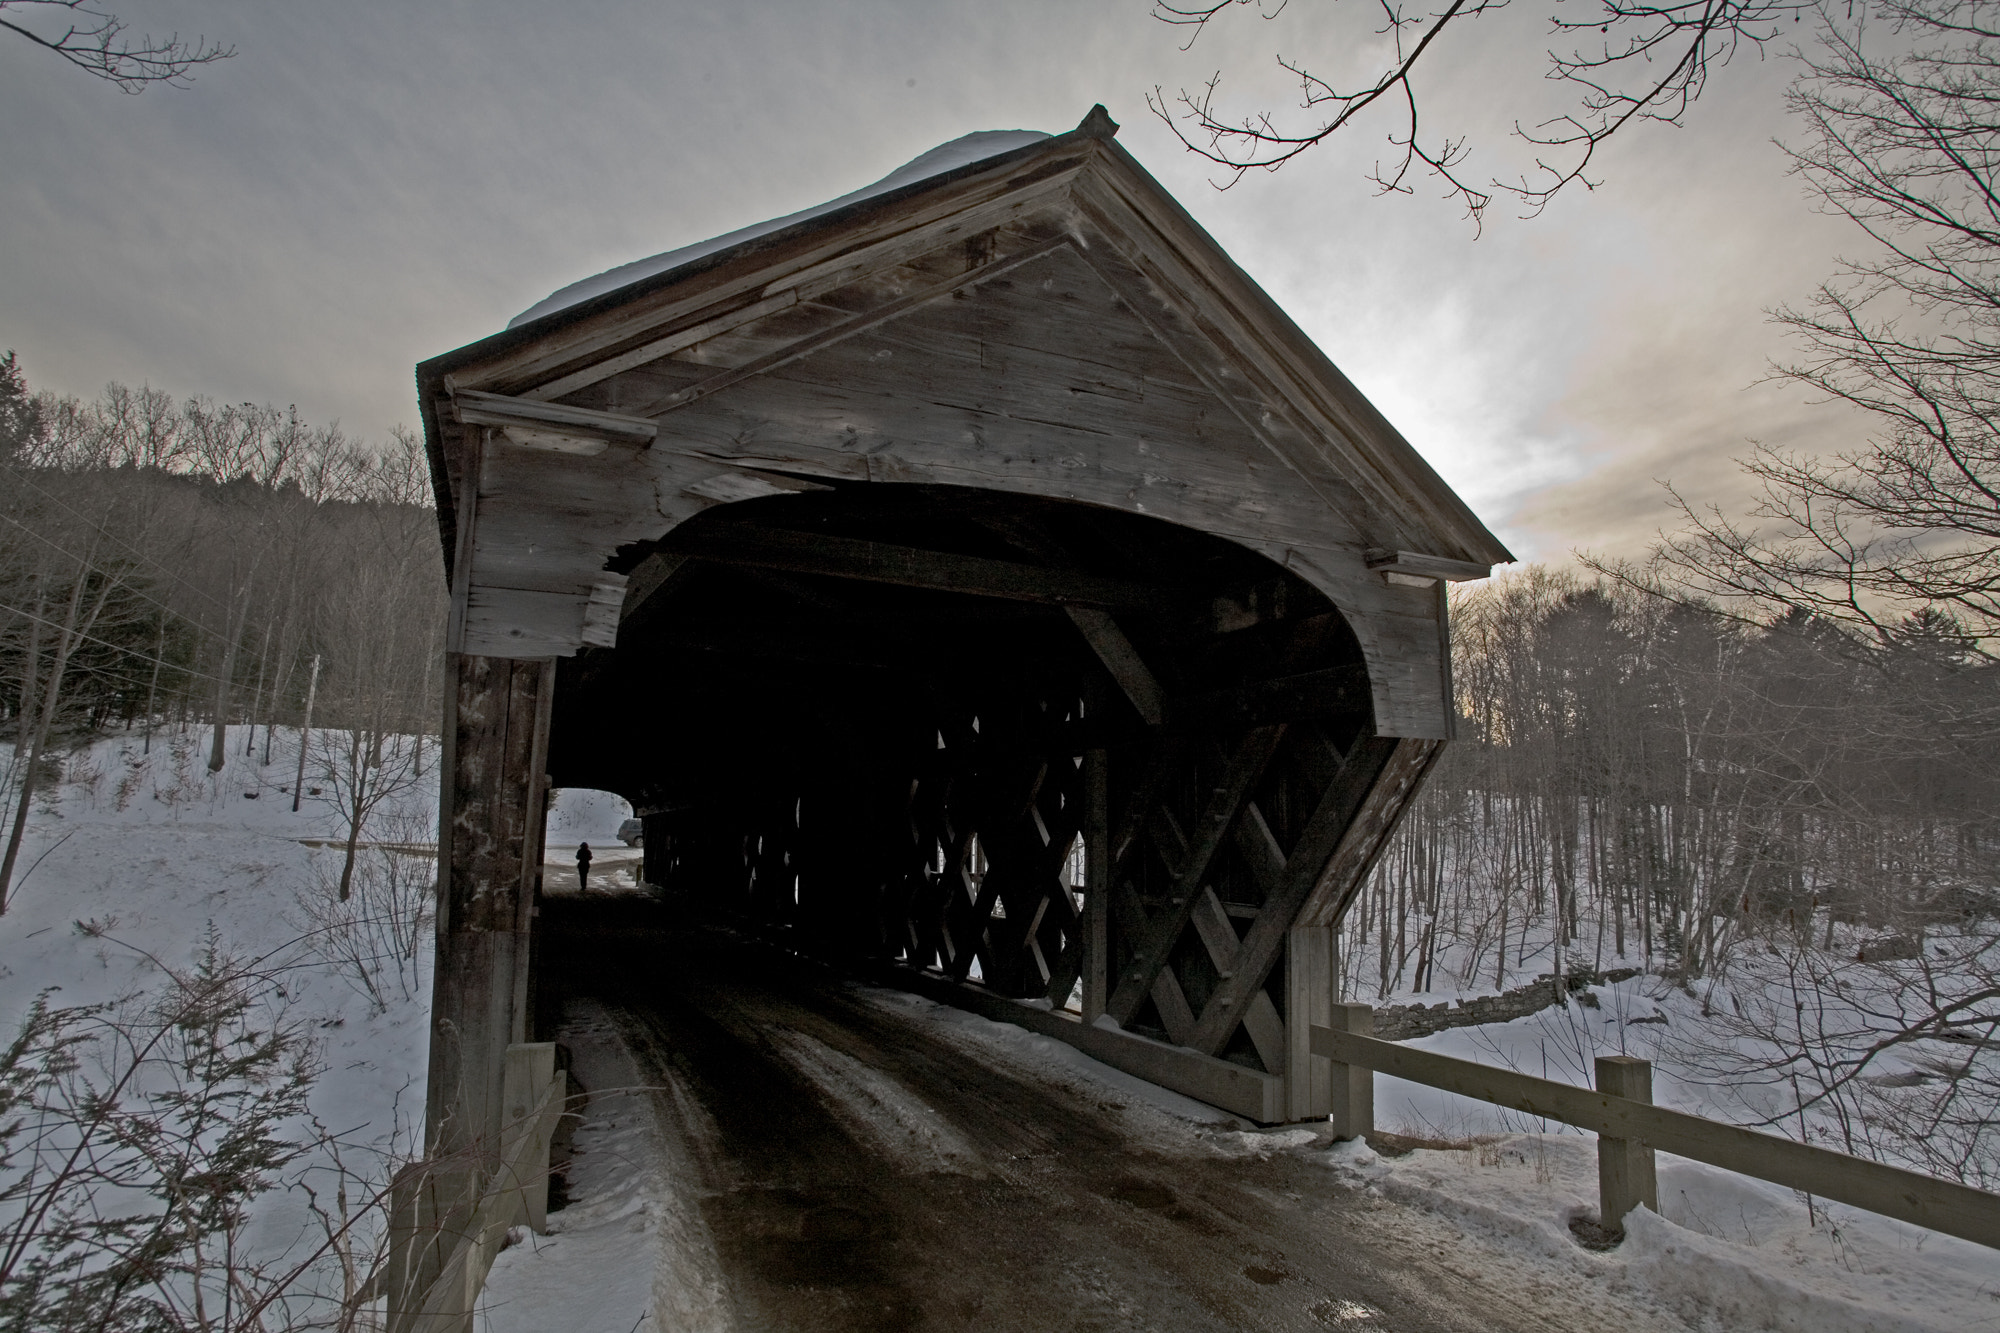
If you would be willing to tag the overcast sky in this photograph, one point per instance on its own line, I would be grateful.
(367, 184)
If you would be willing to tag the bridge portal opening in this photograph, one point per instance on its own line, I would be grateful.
(947, 576)
(914, 725)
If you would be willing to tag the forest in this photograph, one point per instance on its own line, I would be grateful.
(185, 564)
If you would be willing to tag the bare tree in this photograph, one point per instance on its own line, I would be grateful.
(1627, 61)
(97, 42)
(1900, 140)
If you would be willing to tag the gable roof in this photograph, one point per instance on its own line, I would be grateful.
(1340, 444)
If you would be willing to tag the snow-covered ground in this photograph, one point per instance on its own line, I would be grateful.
(134, 859)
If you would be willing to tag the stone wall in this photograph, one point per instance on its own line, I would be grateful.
(1401, 1022)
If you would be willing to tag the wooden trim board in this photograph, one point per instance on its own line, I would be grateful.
(1249, 1093)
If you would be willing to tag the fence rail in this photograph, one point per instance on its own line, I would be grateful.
(1631, 1127)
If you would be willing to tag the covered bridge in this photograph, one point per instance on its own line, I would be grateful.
(977, 578)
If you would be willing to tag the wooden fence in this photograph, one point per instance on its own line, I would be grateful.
(1630, 1128)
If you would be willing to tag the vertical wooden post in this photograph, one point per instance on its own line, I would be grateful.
(489, 853)
(1308, 1003)
(1097, 885)
(1625, 1172)
(1353, 1112)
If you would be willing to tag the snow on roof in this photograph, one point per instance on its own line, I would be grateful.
(946, 157)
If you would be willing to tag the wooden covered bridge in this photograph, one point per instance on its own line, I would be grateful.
(978, 579)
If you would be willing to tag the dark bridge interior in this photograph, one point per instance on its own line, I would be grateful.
(872, 719)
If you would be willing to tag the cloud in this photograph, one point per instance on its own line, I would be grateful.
(369, 184)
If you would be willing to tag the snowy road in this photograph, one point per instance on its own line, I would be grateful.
(855, 1159)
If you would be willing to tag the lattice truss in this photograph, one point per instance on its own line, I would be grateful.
(978, 870)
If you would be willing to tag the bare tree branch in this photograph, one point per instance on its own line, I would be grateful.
(1653, 63)
(96, 42)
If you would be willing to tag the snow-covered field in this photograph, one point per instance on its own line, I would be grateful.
(133, 860)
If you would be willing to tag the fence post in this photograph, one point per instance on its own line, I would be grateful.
(1353, 1114)
(1625, 1174)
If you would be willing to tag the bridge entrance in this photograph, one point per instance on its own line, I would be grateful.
(905, 725)
(977, 579)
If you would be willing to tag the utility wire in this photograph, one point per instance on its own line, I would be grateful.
(114, 647)
(257, 655)
(109, 536)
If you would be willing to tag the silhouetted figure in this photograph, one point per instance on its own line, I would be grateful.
(583, 868)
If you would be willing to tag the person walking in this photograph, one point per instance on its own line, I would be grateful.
(583, 868)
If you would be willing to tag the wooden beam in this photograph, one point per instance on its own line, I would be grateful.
(1225, 802)
(1097, 879)
(1250, 1093)
(1261, 1020)
(1309, 986)
(489, 857)
(648, 587)
(1418, 565)
(1122, 660)
(1401, 779)
(474, 408)
(1338, 805)
(861, 323)
(912, 567)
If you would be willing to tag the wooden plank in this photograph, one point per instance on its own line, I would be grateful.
(1225, 802)
(911, 567)
(1908, 1196)
(522, 622)
(492, 409)
(657, 348)
(1343, 798)
(1097, 876)
(1389, 800)
(1419, 565)
(854, 326)
(1249, 1093)
(514, 363)
(1122, 660)
(1309, 988)
(1218, 936)
(1260, 851)
(1171, 1001)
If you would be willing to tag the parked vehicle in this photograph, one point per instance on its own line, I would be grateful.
(632, 832)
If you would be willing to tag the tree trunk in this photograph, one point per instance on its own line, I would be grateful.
(217, 753)
(305, 735)
(50, 700)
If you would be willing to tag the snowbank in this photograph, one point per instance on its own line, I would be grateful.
(599, 1269)
(1729, 1252)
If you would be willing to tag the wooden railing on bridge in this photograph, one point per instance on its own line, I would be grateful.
(1630, 1128)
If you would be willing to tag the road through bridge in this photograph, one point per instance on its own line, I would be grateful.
(852, 1166)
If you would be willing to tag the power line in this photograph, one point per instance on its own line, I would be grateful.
(108, 536)
(106, 643)
(263, 662)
